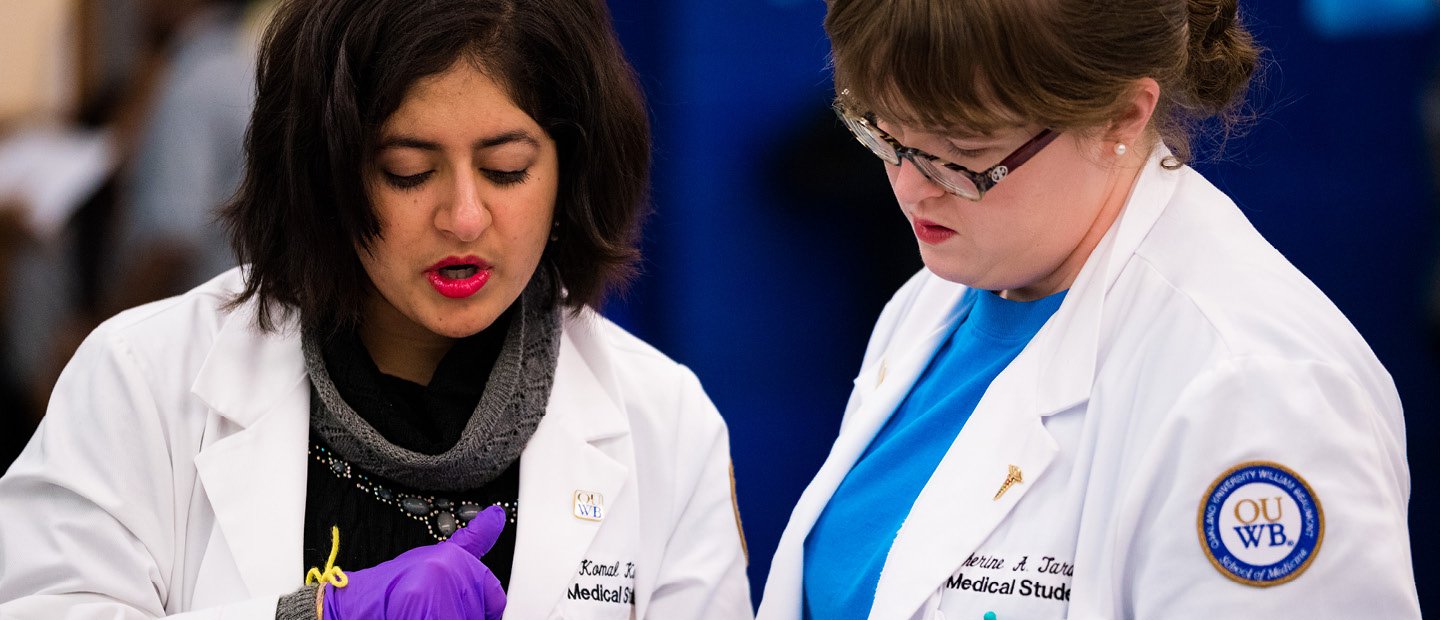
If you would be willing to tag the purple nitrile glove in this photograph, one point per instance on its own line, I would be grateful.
(443, 580)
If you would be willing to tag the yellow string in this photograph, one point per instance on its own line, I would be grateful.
(332, 574)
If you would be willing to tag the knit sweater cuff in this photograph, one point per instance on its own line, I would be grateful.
(297, 605)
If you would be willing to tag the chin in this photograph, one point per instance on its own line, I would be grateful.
(462, 328)
(989, 275)
(948, 272)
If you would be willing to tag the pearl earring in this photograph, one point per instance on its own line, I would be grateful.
(1120, 148)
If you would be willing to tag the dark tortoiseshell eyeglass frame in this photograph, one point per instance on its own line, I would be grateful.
(866, 131)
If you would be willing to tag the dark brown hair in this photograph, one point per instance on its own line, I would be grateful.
(332, 71)
(1065, 64)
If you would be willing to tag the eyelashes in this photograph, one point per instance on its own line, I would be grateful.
(506, 178)
(407, 182)
(501, 178)
(957, 152)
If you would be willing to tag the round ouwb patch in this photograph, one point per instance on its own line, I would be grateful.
(1261, 524)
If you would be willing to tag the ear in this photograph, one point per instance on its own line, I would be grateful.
(1128, 127)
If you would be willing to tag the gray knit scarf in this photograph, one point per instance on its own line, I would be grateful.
(506, 416)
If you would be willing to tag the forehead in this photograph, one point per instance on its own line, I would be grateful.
(463, 98)
(955, 119)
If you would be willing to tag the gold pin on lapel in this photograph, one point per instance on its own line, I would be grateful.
(589, 506)
(1012, 478)
(880, 376)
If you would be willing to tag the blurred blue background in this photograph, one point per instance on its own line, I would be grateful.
(775, 241)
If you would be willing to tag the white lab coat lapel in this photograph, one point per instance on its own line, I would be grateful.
(958, 508)
(561, 458)
(255, 477)
(899, 368)
(878, 391)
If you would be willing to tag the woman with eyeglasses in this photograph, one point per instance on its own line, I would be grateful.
(1105, 396)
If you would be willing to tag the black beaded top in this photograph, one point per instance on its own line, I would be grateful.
(377, 518)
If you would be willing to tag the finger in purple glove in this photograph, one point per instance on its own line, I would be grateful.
(443, 580)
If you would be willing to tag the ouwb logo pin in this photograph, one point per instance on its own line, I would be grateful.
(589, 506)
(1260, 524)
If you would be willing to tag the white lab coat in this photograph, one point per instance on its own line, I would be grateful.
(169, 476)
(1186, 346)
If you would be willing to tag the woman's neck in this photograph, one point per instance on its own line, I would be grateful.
(1122, 183)
(399, 347)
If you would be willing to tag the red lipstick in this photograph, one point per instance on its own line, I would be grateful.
(930, 232)
(458, 277)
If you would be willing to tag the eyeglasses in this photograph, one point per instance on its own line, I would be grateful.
(953, 178)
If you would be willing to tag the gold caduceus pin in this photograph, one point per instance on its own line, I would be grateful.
(1012, 478)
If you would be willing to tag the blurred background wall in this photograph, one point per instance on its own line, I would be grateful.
(121, 124)
(775, 239)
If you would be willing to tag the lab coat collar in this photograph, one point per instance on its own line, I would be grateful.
(878, 391)
(901, 366)
(255, 481)
(582, 445)
(961, 504)
(255, 478)
(1069, 344)
(248, 369)
(882, 391)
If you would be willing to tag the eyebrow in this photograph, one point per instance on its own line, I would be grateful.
(952, 136)
(509, 137)
(977, 137)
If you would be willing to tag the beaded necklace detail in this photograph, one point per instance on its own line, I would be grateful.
(441, 516)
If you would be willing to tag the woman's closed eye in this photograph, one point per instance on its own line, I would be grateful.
(411, 181)
(960, 152)
(505, 178)
(501, 178)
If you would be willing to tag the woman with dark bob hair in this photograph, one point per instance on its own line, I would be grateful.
(1106, 396)
(403, 405)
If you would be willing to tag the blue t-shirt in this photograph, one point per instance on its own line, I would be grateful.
(846, 548)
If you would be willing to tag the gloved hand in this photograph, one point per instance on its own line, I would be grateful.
(443, 580)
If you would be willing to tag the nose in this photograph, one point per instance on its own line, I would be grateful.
(465, 214)
(910, 185)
